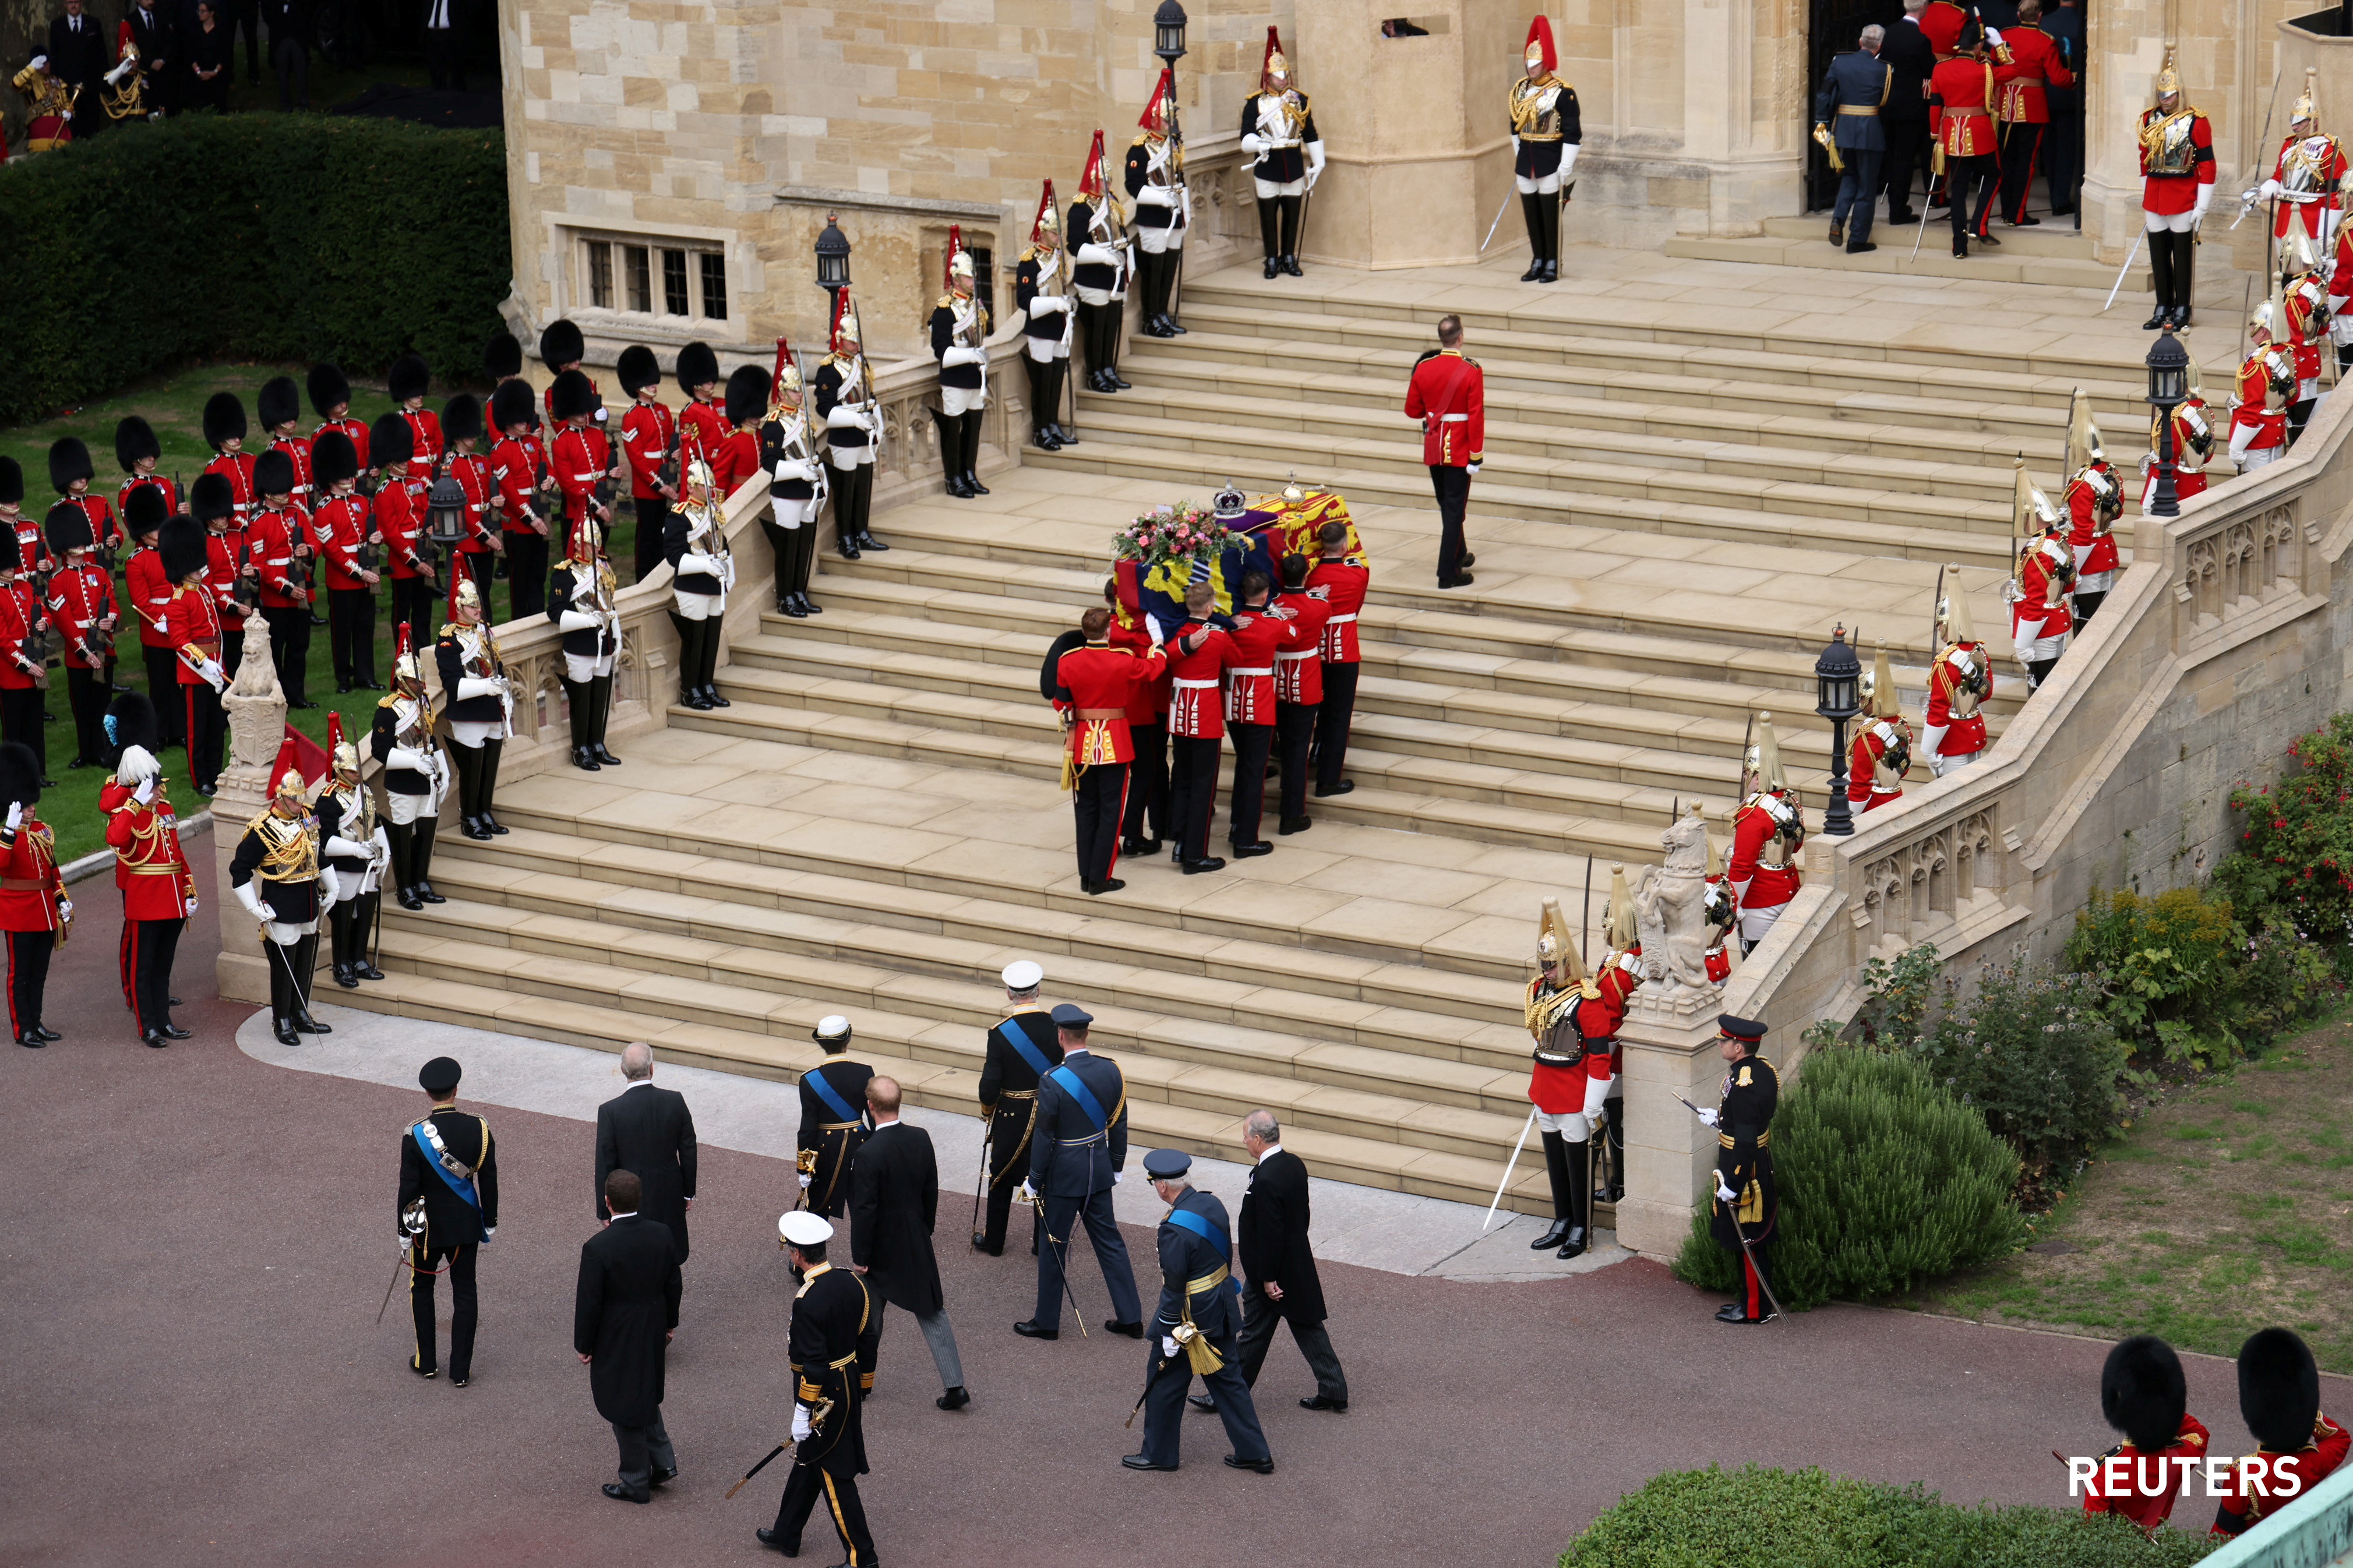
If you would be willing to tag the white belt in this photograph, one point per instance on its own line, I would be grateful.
(1454, 419)
(1341, 620)
(1183, 684)
(1309, 653)
(1267, 669)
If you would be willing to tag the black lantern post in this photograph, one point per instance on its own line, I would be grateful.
(2168, 388)
(444, 513)
(1168, 33)
(833, 260)
(1838, 680)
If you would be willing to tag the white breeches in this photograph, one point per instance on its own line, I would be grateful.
(1939, 766)
(1267, 189)
(286, 935)
(1546, 186)
(1095, 296)
(581, 668)
(2254, 457)
(699, 606)
(1046, 351)
(1574, 1125)
(2096, 582)
(1155, 241)
(1755, 924)
(404, 809)
(963, 399)
(850, 457)
(2168, 223)
(790, 514)
(474, 731)
(2036, 650)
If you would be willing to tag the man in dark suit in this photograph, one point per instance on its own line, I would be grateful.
(833, 1119)
(894, 1199)
(1904, 118)
(1855, 88)
(146, 28)
(1196, 1325)
(79, 57)
(648, 1132)
(622, 1317)
(2063, 153)
(1281, 1286)
(449, 1207)
(1075, 1159)
(1021, 1049)
(289, 22)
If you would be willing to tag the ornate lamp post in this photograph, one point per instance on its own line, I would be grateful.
(832, 261)
(1168, 33)
(2168, 388)
(1838, 675)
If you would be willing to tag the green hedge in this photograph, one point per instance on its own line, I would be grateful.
(259, 237)
(1804, 1519)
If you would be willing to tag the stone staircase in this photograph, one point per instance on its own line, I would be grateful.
(1671, 517)
(2051, 253)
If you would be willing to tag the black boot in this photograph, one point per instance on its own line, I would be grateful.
(2038, 671)
(946, 424)
(281, 992)
(2086, 607)
(575, 703)
(1616, 1139)
(491, 752)
(968, 450)
(1291, 216)
(803, 559)
(402, 836)
(1551, 235)
(1580, 1199)
(306, 971)
(1057, 374)
(339, 931)
(690, 664)
(1532, 209)
(363, 928)
(2160, 272)
(421, 861)
(1042, 410)
(600, 704)
(1556, 1167)
(469, 774)
(708, 671)
(1269, 233)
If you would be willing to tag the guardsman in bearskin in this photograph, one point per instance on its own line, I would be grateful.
(224, 431)
(853, 428)
(33, 908)
(833, 1119)
(354, 848)
(448, 1210)
(408, 381)
(2304, 301)
(279, 539)
(277, 875)
(1768, 833)
(415, 776)
(1279, 131)
(2279, 1399)
(2144, 1395)
(519, 468)
(279, 407)
(1154, 175)
(2093, 499)
(698, 376)
(13, 521)
(580, 455)
(737, 456)
(1042, 291)
(344, 529)
(150, 592)
(2308, 177)
(582, 605)
(1746, 1201)
(2040, 614)
(1883, 747)
(1546, 130)
(331, 399)
(836, 1322)
(2193, 442)
(138, 452)
(1569, 1078)
(1197, 1330)
(399, 516)
(1341, 581)
(1961, 93)
(1104, 258)
(796, 486)
(560, 348)
(649, 444)
(1101, 681)
(959, 332)
(702, 568)
(1022, 1049)
(32, 542)
(81, 609)
(502, 358)
(194, 627)
(150, 868)
(480, 697)
(70, 473)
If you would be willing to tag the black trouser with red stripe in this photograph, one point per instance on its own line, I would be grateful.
(2019, 142)
(28, 977)
(147, 948)
(1294, 732)
(425, 1264)
(1252, 743)
(1192, 794)
(1099, 804)
(1332, 717)
(1753, 1299)
(1147, 783)
(203, 728)
(86, 692)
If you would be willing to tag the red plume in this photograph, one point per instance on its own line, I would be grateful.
(955, 243)
(777, 376)
(1164, 98)
(400, 643)
(334, 733)
(290, 760)
(1274, 48)
(1540, 33)
(1045, 210)
(1091, 182)
(833, 331)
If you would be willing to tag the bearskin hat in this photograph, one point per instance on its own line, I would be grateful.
(224, 419)
(461, 418)
(20, 775)
(407, 378)
(502, 355)
(66, 527)
(130, 721)
(333, 459)
(182, 545)
(2279, 1389)
(143, 511)
(279, 402)
(273, 473)
(562, 343)
(747, 393)
(12, 481)
(638, 369)
(212, 496)
(329, 388)
(69, 461)
(512, 404)
(390, 443)
(573, 395)
(134, 439)
(2143, 1393)
(697, 366)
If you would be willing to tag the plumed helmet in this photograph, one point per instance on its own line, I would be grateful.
(134, 440)
(2168, 77)
(637, 370)
(285, 780)
(784, 381)
(224, 419)
(406, 377)
(273, 473)
(697, 366)
(1274, 71)
(1538, 54)
(1161, 105)
(180, 543)
(1618, 927)
(1953, 608)
(2307, 102)
(131, 730)
(209, 498)
(143, 511)
(279, 402)
(2083, 435)
(2030, 510)
(69, 461)
(2143, 1393)
(2279, 1389)
(390, 443)
(512, 404)
(1879, 688)
(1048, 225)
(66, 527)
(1765, 757)
(20, 775)
(405, 665)
(461, 418)
(329, 388)
(562, 345)
(502, 355)
(333, 459)
(960, 260)
(12, 481)
(342, 755)
(747, 393)
(572, 396)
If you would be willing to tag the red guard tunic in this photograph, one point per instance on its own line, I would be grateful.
(103, 529)
(2145, 1473)
(1343, 584)
(1863, 787)
(2034, 63)
(33, 545)
(472, 472)
(1298, 661)
(1956, 668)
(1448, 395)
(222, 551)
(1250, 679)
(705, 420)
(1149, 705)
(1563, 1081)
(30, 887)
(274, 538)
(16, 626)
(192, 623)
(397, 519)
(149, 866)
(158, 482)
(648, 437)
(1964, 88)
(515, 463)
(2325, 161)
(425, 445)
(80, 596)
(735, 460)
(1103, 681)
(2083, 509)
(143, 575)
(2268, 363)
(2169, 192)
(1194, 709)
(581, 459)
(355, 428)
(1762, 890)
(2307, 299)
(547, 406)
(298, 451)
(238, 467)
(340, 526)
(2033, 617)
(2312, 1463)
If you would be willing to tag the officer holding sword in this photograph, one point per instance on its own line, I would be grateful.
(1279, 131)
(1154, 177)
(797, 485)
(1076, 1155)
(1747, 1200)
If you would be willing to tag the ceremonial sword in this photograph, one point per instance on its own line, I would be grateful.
(1061, 1256)
(1510, 191)
(1745, 1250)
(984, 1178)
(818, 1412)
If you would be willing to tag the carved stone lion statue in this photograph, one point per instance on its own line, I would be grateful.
(1667, 904)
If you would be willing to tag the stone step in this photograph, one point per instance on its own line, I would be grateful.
(2053, 239)
(1983, 264)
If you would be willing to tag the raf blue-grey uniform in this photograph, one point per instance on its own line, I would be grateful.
(1853, 90)
(1076, 1151)
(1197, 1284)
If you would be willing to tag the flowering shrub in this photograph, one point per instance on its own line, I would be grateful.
(2296, 847)
(2186, 983)
(1179, 532)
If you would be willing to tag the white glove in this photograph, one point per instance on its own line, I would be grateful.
(1117, 1177)
(480, 686)
(1157, 196)
(961, 356)
(1723, 1191)
(16, 814)
(1155, 630)
(1169, 1347)
(406, 757)
(845, 417)
(1052, 304)
(146, 792)
(794, 468)
(1314, 161)
(489, 1233)
(1472, 469)
(249, 895)
(380, 849)
(214, 675)
(406, 1242)
(800, 1423)
(337, 844)
(1515, 152)
(191, 905)
(1993, 37)
(2268, 190)
(1253, 143)
(65, 909)
(1567, 160)
(331, 887)
(805, 1182)
(2198, 208)
(1094, 255)
(1026, 1194)
(1707, 1118)
(696, 561)
(577, 621)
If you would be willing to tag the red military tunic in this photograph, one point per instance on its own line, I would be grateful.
(1448, 394)
(150, 595)
(2305, 300)
(1956, 668)
(2312, 1463)
(2083, 509)
(515, 463)
(1964, 89)
(1343, 584)
(103, 529)
(1150, 703)
(2327, 160)
(298, 452)
(1600, 1018)
(2268, 363)
(158, 482)
(355, 428)
(547, 406)
(1299, 661)
(648, 437)
(1758, 886)
(397, 517)
(238, 467)
(192, 622)
(340, 526)
(16, 624)
(425, 445)
(1870, 743)
(80, 598)
(33, 544)
(2034, 63)
(2145, 1473)
(2193, 441)
(2169, 192)
(1250, 679)
(222, 551)
(581, 459)
(283, 574)
(149, 866)
(2045, 561)
(735, 460)
(1194, 709)
(1103, 681)
(705, 420)
(472, 472)
(30, 888)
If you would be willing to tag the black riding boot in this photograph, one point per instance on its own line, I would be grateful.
(306, 966)
(2086, 606)
(339, 937)
(2160, 271)
(469, 775)
(946, 424)
(491, 752)
(1058, 375)
(1106, 350)
(1041, 407)
(1616, 1138)
(421, 859)
(803, 549)
(690, 660)
(708, 670)
(575, 707)
(1556, 1167)
(969, 453)
(1532, 209)
(1269, 232)
(281, 993)
(1580, 1199)
(2038, 671)
(600, 703)
(1291, 216)
(363, 928)
(1551, 203)
(402, 836)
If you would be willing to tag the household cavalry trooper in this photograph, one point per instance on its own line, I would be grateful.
(1568, 1079)
(1154, 175)
(353, 847)
(1546, 130)
(2267, 382)
(159, 887)
(2177, 165)
(71, 474)
(481, 698)
(1042, 291)
(2040, 614)
(854, 429)
(2306, 179)
(1622, 969)
(1746, 1199)
(2193, 430)
(705, 416)
(1022, 1049)
(1104, 256)
(1953, 730)
(277, 875)
(1197, 1329)
(1279, 131)
(796, 486)
(1768, 833)
(833, 1119)
(1883, 747)
(581, 602)
(2304, 297)
(415, 776)
(649, 443)
(2093, 499)
(345, 534)
(694, 543)
(959, 328)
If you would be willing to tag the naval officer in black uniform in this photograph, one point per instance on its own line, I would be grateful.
(835, 1323)
(1199, 1327)
(1022, 1048)
(833, 1119)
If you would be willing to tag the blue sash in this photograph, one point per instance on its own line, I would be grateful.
(1022, 1046)
(1202, 1228)
(461, 1186)
(828, 1093)
(1089, 1106)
